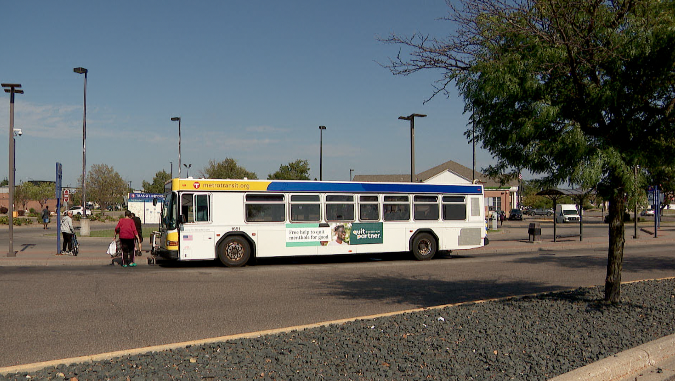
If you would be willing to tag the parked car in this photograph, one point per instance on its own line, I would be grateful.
(515, 214)
(648, 212)
(77, 211)
(540, 212)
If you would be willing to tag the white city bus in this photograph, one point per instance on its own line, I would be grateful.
(237, 220)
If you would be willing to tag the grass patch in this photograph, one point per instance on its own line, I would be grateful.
(109, 233)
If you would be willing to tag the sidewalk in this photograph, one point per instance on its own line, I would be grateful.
(654, 361)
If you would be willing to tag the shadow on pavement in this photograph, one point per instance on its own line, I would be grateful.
(430, 292)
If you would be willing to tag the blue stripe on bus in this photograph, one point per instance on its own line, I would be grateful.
(287, 186)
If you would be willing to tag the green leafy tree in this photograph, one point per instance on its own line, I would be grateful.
(157, 185)
(4, 182)
(105, 186)
(23, 194)
(226, 169)
(578, 91)
(297, 170)
(43, 192)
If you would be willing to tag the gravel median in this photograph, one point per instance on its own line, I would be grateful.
(522, 338)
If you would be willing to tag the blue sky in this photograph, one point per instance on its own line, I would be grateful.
(251, 80)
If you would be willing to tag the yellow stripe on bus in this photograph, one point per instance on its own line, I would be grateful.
(219, 185)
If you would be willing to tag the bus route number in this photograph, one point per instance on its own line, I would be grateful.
(235, 229)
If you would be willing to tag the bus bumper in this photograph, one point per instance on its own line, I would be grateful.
(167, 254)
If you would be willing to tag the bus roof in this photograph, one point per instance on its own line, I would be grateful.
(227, 185)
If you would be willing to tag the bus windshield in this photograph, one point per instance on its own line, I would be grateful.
(169, 211)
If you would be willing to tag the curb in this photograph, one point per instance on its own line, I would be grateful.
(626, 363)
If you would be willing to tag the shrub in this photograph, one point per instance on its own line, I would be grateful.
(3, 209)
(4, 220)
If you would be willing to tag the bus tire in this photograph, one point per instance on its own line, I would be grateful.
(424, 247)
(234, 251)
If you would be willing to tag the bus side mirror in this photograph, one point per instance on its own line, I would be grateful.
(154, 201)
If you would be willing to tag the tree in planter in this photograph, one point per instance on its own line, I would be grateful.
(579, 91)
(23, 193)
(43, 192)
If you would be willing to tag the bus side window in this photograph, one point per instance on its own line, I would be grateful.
(396, 208)
(187, 207)
(202, 201)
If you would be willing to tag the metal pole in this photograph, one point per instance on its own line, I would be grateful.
(412, 149)
(12, 89)
(473, 141)
(177, 118)
(84, 150)
(411, 118)
(179, 148)
(321, 128)
(84, 222)
(635, 219)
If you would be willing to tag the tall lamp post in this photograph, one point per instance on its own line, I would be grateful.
(350, 174)
(11, 88)
(188, 166)
(84, 222)
(177, 118)
(171, 163)
(411, 118)
(321, 128)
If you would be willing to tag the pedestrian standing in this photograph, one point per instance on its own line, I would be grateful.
(139, 229)
(126, 228)
(67, 231)
(45, 217)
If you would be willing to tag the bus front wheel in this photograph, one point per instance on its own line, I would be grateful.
(424, 247)
(234, 252)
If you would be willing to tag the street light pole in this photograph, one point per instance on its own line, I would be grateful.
(350, 174)
(84, 222)
(171, 162)
(411, 118)
(11, 88)
(177, 118)
(17, 132)
(321, 128)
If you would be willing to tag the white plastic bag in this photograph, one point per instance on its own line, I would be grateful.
(112, 249)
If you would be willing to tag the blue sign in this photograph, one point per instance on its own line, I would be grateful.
(142, 197)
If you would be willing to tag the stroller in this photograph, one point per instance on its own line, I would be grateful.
(76, 245)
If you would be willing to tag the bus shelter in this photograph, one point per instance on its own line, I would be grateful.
(578, 195)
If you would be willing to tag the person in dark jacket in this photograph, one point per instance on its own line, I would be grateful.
(139, 229)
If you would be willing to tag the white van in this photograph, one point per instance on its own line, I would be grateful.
(566, 213)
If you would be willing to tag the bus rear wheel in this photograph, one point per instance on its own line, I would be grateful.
(234, 252)
(424, 247)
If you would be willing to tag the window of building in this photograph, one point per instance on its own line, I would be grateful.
(494, 203)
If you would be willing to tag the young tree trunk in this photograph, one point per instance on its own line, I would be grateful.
(617, 206)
